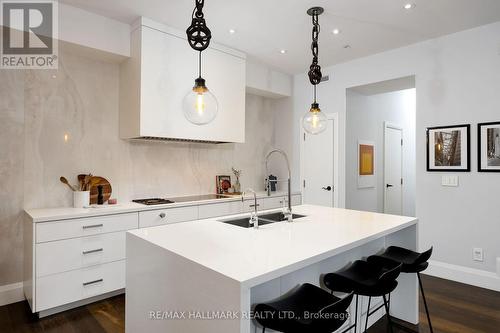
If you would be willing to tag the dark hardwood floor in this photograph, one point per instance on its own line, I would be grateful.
(455, 308)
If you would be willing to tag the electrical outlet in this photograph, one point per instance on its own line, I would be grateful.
(450, 180)
(477, 254)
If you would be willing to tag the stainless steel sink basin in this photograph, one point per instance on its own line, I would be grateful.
(264, 219)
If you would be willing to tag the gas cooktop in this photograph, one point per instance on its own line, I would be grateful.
(153, 201)
(159, 201)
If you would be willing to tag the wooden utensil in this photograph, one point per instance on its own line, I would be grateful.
(81, 179)
(84, 181)
(106, 189)
(65, 181)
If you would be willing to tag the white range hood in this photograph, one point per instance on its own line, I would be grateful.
(160, 72)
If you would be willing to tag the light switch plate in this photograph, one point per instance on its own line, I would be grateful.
(449, 180)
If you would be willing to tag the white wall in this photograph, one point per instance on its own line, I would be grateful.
(457, 81)
(84, 28)
(366, 115)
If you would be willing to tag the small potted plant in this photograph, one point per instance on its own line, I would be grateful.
(237, 185)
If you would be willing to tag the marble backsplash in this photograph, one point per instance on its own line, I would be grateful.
(65, 122)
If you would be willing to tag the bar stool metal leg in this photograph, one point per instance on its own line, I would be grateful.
(355, 325)
(389, 321)
(368, 313)
(425, 302)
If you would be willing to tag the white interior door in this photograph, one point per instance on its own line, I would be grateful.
(317, 163)
(393, 170)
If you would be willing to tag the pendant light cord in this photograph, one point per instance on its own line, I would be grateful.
(199, 65)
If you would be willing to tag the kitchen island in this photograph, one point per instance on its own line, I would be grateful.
(205, 275)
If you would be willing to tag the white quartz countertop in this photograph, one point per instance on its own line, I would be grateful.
(63, 213)
(253, 256)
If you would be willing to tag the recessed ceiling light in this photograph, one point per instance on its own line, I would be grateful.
(282, 51)
(409, 6)
(232, 31)
(336, 31)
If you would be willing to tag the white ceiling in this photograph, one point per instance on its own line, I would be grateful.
(264, 27)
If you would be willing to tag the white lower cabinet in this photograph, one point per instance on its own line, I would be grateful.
(70, 254)
(63, 288)
(56, 230)
(219, 209)
(249, 205)
(274, 202)
(72, 260)
(154, 218)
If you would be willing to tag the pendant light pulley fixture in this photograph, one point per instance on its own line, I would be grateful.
(200, 105)
(315, 121)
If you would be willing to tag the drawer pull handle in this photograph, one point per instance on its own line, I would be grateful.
(93, 226)
(93, 251)
(163, 215)
(92, 282)
(254, 205)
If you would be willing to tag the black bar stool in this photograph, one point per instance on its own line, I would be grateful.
(411, 261)
(306, 309)
(366, 279)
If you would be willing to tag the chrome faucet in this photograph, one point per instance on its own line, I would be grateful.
(288, 212)
(254, 219)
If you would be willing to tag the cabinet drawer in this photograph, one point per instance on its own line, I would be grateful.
(219, 209)
(170, 215)
(64, 229)
(65, 255)
(274, 202)
(248, 205)
(59, 289)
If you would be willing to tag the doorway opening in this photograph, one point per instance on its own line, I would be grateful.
(380, 147)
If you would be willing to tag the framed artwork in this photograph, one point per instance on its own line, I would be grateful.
(488, 147)
(366, 160)
(366, 164)
(223, 184)
(448, 148)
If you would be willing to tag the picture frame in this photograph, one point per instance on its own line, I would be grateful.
(448, 148)
(488, 147)
(366, 164)
(222, 184)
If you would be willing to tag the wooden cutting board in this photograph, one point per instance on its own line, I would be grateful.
(106, 190)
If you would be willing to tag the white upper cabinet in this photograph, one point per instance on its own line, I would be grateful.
(264, 81)
(161, 71)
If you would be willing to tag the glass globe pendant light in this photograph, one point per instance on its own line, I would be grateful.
(199, 105)
(315, 121)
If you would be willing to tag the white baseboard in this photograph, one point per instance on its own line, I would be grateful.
(471, 276)
(11, 293)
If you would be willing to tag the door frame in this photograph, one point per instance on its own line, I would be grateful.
(335, 118)
(400, 128)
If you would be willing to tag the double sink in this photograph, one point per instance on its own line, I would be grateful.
(264, 219)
